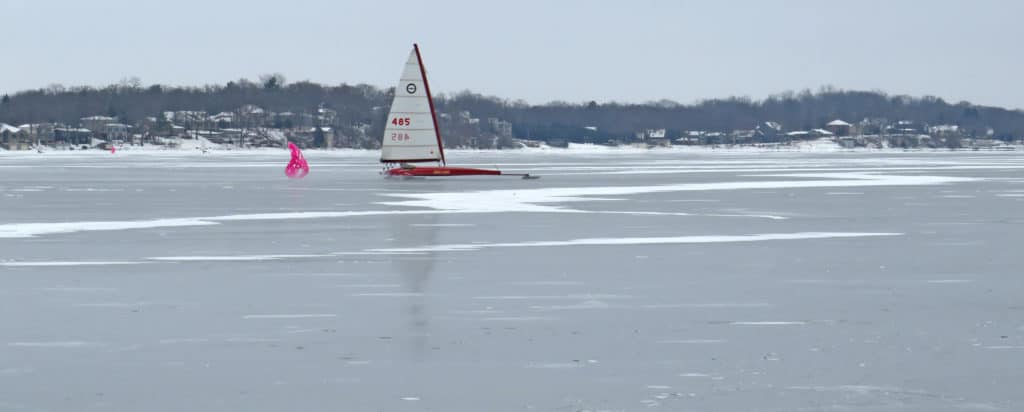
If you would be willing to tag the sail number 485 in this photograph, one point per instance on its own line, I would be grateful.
(400, 121)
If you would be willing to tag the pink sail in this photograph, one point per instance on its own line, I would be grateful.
(297, 168)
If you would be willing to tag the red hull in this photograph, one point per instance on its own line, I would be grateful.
(440, 171)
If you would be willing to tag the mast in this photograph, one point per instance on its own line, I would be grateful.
(430, 99)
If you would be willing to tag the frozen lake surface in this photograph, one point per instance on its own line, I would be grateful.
(619, 281)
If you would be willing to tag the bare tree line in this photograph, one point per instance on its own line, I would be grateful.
(366, 106)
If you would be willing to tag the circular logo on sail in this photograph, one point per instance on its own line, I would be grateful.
(410, 88)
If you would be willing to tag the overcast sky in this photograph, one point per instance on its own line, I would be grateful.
(536, 50)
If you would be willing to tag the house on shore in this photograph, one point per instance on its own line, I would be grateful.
(13, 138)
(839, 128)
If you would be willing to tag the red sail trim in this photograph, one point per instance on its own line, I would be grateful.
(441, 171)
(430, 100)
(407, 160)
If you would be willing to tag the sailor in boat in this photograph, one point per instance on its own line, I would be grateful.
(411, 134)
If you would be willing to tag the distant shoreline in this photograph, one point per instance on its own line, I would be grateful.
(573, 149)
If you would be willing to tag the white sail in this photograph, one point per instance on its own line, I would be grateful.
(410, 134)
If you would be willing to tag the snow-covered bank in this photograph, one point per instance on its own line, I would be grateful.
(201, 147)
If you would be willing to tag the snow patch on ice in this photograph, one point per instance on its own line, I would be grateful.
(54, 344)
(713, 305)
(554, 365)
(290, 316)
(861, 389)
(21, 230)
(769, 323)
(694, 375)
(17, 230)
(639, 241)
(47, 263)
(91, 189)
(643, 213)
(587, 304)
(539, 200)
(234, 258)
